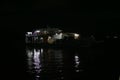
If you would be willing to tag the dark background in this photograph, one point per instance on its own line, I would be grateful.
(81, 16)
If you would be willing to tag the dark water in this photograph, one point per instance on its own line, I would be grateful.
(66, 63)
(99, 62)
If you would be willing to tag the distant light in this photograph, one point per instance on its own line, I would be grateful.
(29, 53)
(59, 30)
(77, 70)
(77, 61)
(45, 32)
(76, 57)
(36, 59)
(76, 36)
(41, 38)
(29, 33)
(37, 76)
(37, 31)
(49, 37)
(41, 50)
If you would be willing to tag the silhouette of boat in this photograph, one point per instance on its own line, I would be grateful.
(55, 37)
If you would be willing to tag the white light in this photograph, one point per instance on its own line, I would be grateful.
(77, 61)
(41, 38)
(41, 50)
(77, 70)
(49, 37)
(36, 58)
(76, 57)
(37, 76)
(29, 53)
(58, 36)
(59, 30)
(76, 35)
(45, 32)
(29, 33)
(37, 31)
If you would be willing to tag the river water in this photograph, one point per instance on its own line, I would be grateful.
(47, 63)
(81, 63)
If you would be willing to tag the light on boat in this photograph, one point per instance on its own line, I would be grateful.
(37, 31)
(29, 33)
(76, 36)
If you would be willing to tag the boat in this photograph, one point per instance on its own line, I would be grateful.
(50, 36)
(56, 37)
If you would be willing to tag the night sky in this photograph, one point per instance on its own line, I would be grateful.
(82, 16)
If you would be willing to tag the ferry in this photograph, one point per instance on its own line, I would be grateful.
(55, 37)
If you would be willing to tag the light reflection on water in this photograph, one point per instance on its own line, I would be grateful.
(34, 61)
(63, 63)
(77, 62)
(45, 62)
